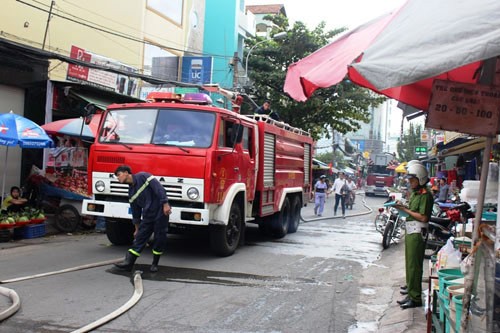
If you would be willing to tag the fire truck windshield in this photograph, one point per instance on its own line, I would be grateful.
(379, 169)
(178, 127)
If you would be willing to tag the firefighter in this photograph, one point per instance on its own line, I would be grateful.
(150, 212)
(265, 109)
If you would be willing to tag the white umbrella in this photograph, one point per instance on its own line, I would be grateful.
(429, 37)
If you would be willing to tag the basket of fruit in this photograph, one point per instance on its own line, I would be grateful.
(22, 220)
(7, 222)
(35, 215)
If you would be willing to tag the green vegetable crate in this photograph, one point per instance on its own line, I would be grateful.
(30, 231)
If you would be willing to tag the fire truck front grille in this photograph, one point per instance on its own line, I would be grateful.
(173, 191)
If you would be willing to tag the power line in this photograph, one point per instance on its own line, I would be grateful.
(111, 20)
(95, 26)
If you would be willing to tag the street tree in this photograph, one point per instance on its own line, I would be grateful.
(328, 158)
(408, 142)
(343, 107)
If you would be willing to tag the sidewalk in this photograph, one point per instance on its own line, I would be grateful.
(394, 318)
(385, 276)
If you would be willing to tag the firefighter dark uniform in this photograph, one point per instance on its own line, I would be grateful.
(147, 197)
(421, 201)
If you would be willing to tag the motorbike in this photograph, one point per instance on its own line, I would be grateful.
(390, 224)
(443, 225)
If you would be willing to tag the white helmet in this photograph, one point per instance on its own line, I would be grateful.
(417, 170)
(412, 162)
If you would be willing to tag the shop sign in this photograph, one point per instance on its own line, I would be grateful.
(424, 136)
(466, 108)
(439, 138)
(100, 78)
(421, 151)
(197, 70)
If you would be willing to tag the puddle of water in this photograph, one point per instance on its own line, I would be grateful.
(363, 327)
(202, 276)
(367, 291)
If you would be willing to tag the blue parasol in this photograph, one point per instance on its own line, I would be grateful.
(16, 130)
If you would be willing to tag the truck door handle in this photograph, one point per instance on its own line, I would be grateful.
(236, 169)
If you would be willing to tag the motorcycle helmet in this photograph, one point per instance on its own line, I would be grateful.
(417, 170)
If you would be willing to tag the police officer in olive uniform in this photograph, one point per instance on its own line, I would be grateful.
(419, 210)
(150, 210)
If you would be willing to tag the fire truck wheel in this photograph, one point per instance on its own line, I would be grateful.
(225, 239)
(67, 218)
(295, 215)
(120, 232)
(281, 220)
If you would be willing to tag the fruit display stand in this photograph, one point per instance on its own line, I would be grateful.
(6, 232)
(29, 231)
(22, 229)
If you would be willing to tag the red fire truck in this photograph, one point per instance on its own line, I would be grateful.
(220, 169)
(379, 179)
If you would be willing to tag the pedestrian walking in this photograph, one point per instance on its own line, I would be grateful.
(340, 189)
(320, 189)
(419, 210)
(150, 212)
(351, 197)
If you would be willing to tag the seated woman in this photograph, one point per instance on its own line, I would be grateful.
(14, 202)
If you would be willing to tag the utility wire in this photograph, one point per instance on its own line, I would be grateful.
(119, 34)
(114, 21)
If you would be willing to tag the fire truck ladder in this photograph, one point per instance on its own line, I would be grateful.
(281, 124)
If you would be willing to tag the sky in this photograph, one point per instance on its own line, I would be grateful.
(336, 13)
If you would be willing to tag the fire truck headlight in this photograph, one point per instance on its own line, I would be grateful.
(193, 193)
(99, 186)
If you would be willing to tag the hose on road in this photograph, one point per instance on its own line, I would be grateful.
(136, 296)
(72, 269)
(16, 303)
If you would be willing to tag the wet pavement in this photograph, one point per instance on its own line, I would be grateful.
(383, 271)
(377, 310)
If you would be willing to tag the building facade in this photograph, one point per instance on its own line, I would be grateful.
(226, 27)
(43, 44)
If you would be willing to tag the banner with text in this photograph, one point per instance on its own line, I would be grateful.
(100, 78)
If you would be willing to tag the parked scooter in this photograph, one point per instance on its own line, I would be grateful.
(390, 224)
(442, 228)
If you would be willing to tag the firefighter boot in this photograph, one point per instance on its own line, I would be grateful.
(128, 263)
(154, 265)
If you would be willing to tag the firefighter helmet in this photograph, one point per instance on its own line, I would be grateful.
(417, 170)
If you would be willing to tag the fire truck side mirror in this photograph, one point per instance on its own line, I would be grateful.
(88, 119)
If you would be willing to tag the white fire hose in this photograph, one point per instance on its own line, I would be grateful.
(122, 309)
(16, 303)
